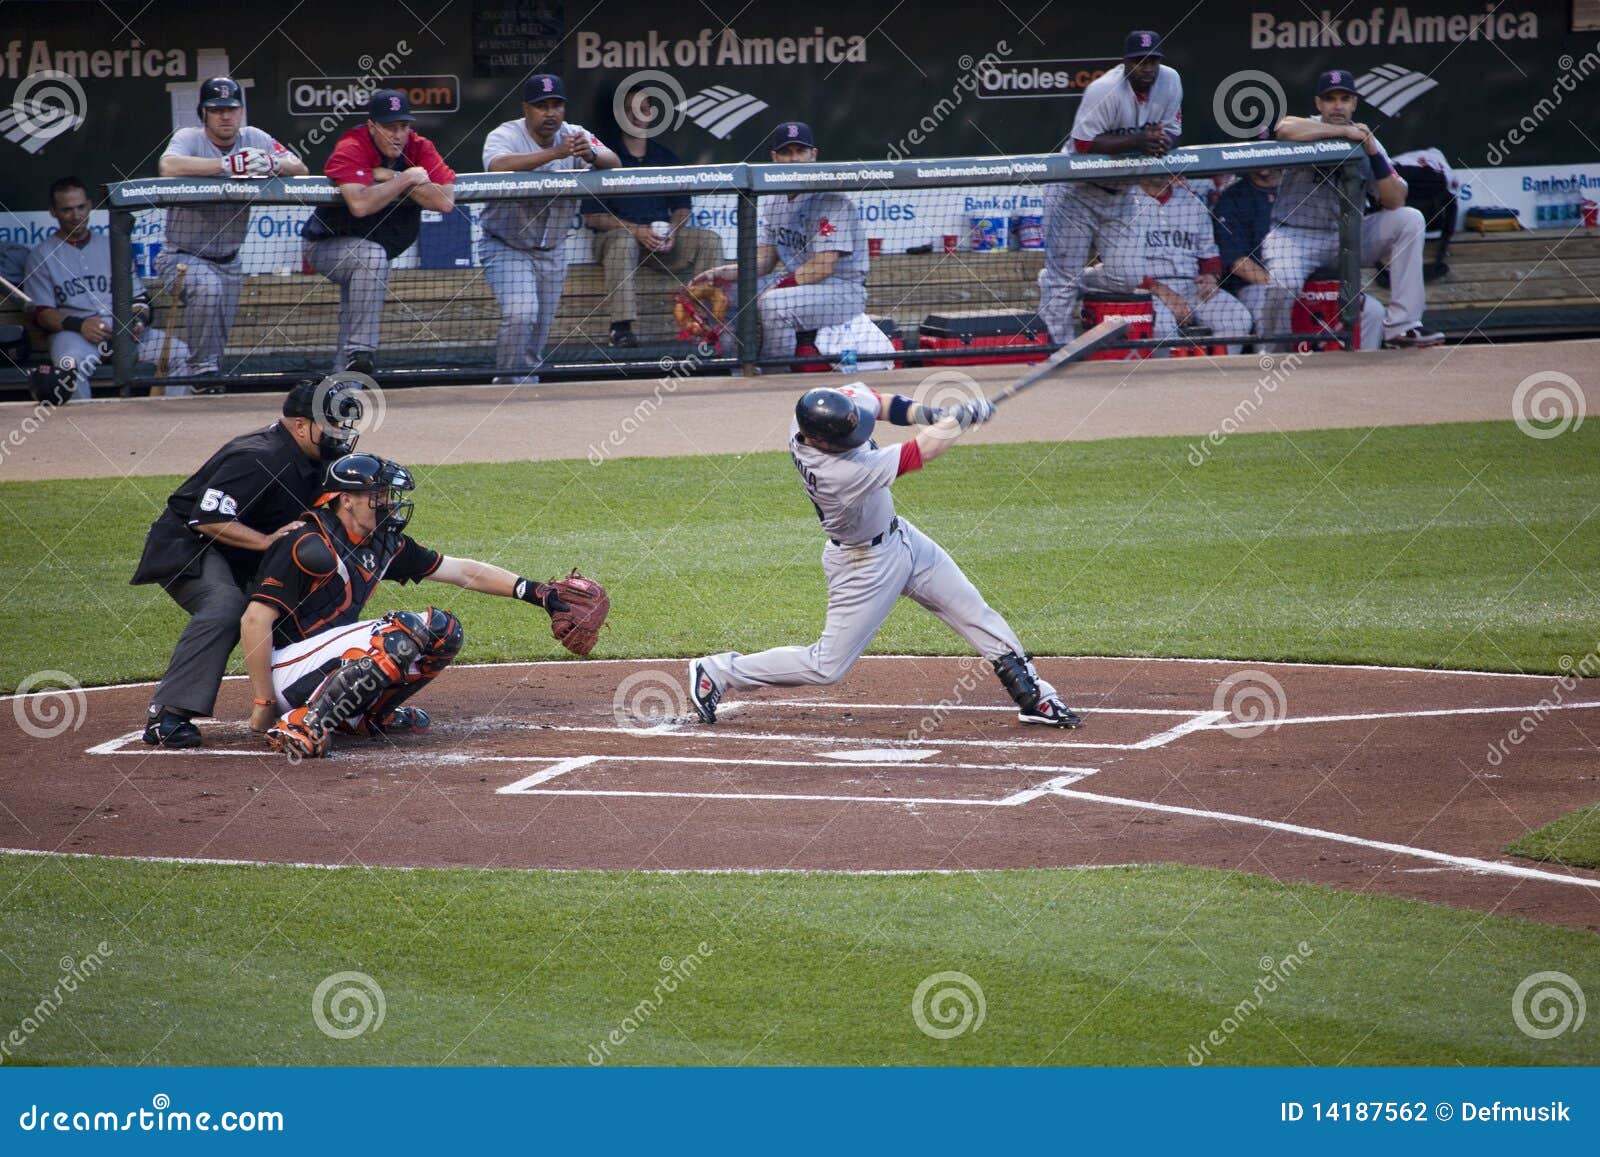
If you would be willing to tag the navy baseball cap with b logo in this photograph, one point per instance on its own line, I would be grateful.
(388, 105)
(1337, 80)
(543, 86)
(792, 133)
(1142, 43)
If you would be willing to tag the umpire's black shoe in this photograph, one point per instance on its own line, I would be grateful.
(170, 729)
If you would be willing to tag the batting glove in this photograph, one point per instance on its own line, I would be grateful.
(974, 413)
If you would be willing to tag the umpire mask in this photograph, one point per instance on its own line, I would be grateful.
(341, 408)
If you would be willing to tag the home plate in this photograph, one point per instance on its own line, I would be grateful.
(881, 755)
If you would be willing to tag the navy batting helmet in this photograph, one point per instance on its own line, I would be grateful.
(220, 92)
(832, 416)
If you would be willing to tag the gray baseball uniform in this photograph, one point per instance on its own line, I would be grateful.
(798, 228)
(872, 558)
(524, 249)
(206, 239)
(1305, 234)
(1076, 213)
(77, 281)
(1167, 239)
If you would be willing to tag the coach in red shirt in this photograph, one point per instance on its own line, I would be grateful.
(387, 175)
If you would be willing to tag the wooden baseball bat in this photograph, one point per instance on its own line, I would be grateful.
(174, 317)
(27, 301)
(1076, 350)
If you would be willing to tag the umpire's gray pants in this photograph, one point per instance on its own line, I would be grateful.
(527, 286)
(210, 301)
(864, 583)
(214, 602)
(360, 268)
(1076, 215)
(784, 311)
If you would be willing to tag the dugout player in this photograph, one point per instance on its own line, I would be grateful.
(68, 281)
(1136, 107)
(206, 545)
(387, 175)
(873, 557)
(206, 238)
(315, 665)
(524, 248)
(811, 255)
(1305, 220)
(1162, 242)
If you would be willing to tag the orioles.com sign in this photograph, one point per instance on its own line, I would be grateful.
(315, 96)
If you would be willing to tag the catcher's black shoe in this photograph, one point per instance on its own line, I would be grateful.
(169, 729)
(704, 691)
(1051, 712)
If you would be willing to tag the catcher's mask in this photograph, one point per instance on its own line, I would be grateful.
(832, 416)
(389, 483)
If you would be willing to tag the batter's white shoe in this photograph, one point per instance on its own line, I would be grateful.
(1051, 712)
(704, 691)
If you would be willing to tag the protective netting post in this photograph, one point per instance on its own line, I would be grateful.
(1352, 207)
(124, 347)
(744, 330)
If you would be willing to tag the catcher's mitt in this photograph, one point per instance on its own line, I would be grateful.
(577, 612)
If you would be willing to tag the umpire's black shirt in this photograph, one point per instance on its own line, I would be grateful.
(261, 479)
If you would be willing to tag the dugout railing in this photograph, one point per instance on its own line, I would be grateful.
(925, 265)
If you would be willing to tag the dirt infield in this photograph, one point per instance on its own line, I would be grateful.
(1365, 779)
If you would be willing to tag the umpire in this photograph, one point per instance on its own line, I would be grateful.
(205, 546)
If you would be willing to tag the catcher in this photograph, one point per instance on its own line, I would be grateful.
(317, 667)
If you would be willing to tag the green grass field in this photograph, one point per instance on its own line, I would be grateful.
(1452, 546)
(1573, 839)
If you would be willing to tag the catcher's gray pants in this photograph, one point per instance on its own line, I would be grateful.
(783, 311)
(214, 602)
(620, 255)
(210, 301)
(86, 357)
(1390, 235)
(527, 285)
(864, 583)
(1076, 215)
(360, 268)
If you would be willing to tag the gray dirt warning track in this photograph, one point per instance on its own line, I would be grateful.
(665, 417)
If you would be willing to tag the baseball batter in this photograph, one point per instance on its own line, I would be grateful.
(68, 279)
(817, 240)
(873, 556)
(524, 247)
(1137, 107)
(1162, 241)
(317, 667)
(206, 238)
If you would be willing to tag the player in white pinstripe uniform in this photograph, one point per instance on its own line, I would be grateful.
(1163, 242)
(1137, 107)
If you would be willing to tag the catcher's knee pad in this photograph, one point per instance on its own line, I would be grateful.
(343, 699)
(409, 648)
(444, 640)
(1019, 679)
